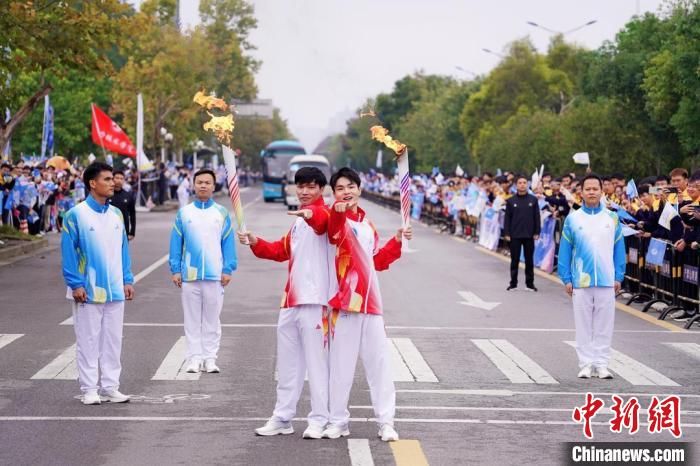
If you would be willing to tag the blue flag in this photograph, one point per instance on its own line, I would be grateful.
(656, 252)
(631, 190)
(47, 133)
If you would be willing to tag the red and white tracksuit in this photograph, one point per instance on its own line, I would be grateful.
(357, 325)
(300, 327)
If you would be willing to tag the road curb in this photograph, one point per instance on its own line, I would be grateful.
(23, 249)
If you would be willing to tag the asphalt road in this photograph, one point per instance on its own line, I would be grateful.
(482, 376)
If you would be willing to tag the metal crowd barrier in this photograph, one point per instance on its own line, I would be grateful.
(673, 283)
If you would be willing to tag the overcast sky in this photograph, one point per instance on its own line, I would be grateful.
(322, 58)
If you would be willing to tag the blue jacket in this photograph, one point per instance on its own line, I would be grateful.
(202, 243)
(95, 251)
(592, 249)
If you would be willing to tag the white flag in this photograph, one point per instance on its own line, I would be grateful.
(535, 181)
(142, 162)
(379, 158)
(667, 215)
(459, 171)
(582, 158)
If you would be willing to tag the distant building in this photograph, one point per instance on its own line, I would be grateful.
(259, 108)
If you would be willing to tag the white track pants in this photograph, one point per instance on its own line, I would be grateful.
(594, 315)
(202, 301)
(363, 334)
(98, 335)
(300, 349)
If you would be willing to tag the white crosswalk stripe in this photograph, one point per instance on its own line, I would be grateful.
(360, 454)
(172, 366)
(691, 349)
(634, 371)
(7, 338)
(63, 367)
(514, 364)
(408, 363)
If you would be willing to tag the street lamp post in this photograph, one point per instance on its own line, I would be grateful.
(499, 55)
(167, 139)
(563, 33)
(466, 71)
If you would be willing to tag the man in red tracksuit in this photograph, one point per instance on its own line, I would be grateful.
(300, 328)
(357, 325)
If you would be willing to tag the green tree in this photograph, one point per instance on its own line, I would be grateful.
(49, 39)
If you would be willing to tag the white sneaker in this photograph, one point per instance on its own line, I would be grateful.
(387, 433)
(211, 367)
(334, 432)
(194, 366)
(91, 398)
(275, 427)
(585, 372)
(604, 373)
(115, 396)
(313, 431)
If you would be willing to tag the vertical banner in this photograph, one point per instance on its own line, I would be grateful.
(142, 162)
(545, 247)
(8, 146)
(47, 130)
(379, 158)
(490, 231)
(405, 183)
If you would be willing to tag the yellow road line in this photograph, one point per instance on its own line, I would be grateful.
(623, 307)
(408, 453)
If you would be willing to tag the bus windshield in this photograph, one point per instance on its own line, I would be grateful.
(276, 162)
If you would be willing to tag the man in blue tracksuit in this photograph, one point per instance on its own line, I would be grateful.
(97, 272)
(202, 258)
(592, 266)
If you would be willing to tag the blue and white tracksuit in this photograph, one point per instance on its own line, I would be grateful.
(202, 249)
(592, 258)
(95, 256)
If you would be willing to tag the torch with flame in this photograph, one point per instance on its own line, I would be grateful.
(381, 134)
(223, 126)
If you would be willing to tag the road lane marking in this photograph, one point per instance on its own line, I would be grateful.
(501, 409)
(7, 338)
(471, 299)
(634, 371)
(621, 306)
(408, 453)
(360, 454)
(172, 366)
(63, 367)
(691, 349)
(513, 393)
(301, 419)
(400, 371)
(513, 363)
(69, 321)
(410, 357)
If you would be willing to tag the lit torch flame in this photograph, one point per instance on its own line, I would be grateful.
(209, 101)
(381, 134)
(221, 126)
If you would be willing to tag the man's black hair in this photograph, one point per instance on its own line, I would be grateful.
(643, 189)
(606, 178)
(557, 179)
(93, 170)
(118, 172)
(5, 164)
(345, 172)
(204, 171)
(663, 178)
(310, 175)
(519, 176)
(617, 176)
(592, 176)
(489, 174)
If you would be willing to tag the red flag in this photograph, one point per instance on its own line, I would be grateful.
(109, 135)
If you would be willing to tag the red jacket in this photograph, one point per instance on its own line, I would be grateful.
(357, 259)
(311, 273)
